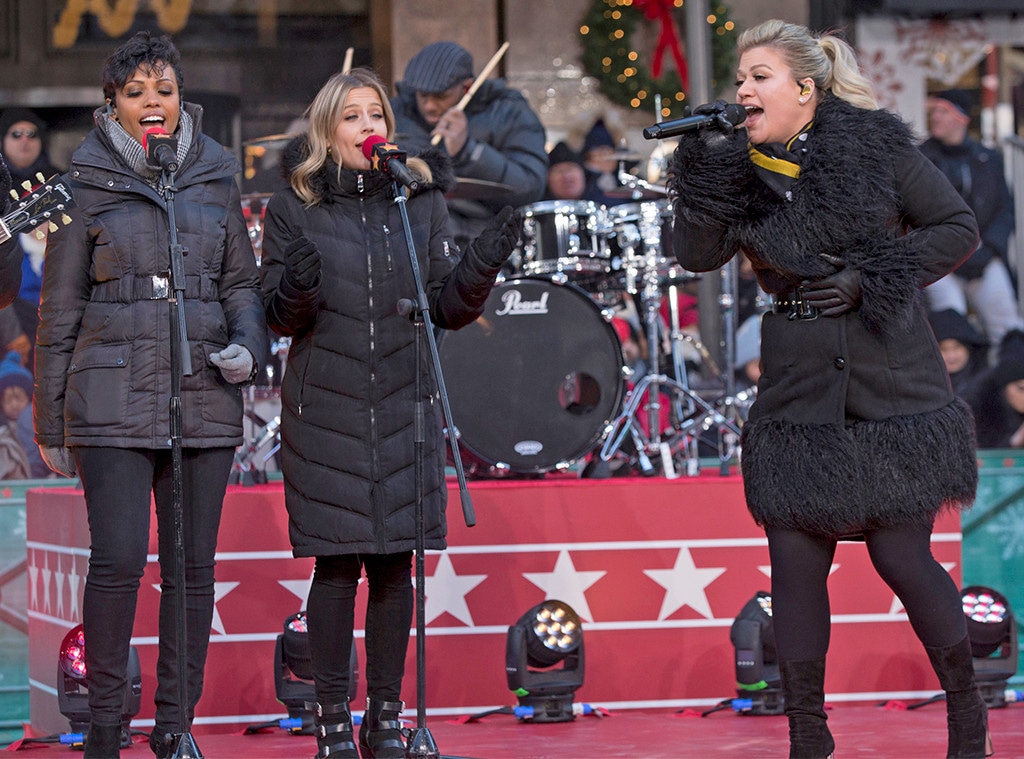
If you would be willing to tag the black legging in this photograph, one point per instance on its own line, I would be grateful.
(903, 558)
(331, 615)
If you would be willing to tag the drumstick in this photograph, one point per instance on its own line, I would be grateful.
(486, 72)
(347, 65)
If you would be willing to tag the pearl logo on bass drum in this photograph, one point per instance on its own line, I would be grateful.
(514, 305)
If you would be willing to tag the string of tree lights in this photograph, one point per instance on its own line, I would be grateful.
(610, 35)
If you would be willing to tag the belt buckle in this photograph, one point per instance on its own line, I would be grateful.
(161, 287)
(801, 310)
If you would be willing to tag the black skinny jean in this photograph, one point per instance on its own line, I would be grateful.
(903, 558)
(330, 613)
(118, 483)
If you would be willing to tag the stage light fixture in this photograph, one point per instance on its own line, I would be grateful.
(546, 636)
(757, 666)
(293, 673)
(72, 689)
(992, 629)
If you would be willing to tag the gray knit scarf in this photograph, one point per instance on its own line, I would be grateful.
(131, 150)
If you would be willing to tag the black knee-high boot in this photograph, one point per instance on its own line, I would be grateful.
(966, 713)
(380, 735)
(334, 734)
(803, 687)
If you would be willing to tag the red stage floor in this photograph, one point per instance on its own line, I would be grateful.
(860, 730)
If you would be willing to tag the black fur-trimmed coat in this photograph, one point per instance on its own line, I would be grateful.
(855, 425)
(348, 393)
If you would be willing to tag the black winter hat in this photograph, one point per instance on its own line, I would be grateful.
(952, 325)
(562, 153)
(12, 116)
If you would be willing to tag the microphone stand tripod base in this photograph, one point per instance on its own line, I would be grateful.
(185, 747)
(421, 745)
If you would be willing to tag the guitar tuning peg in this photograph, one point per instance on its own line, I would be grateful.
(65, 219)
(39, 234)
(40, 178)
(27, 185)
(14, 194)
(51, 226)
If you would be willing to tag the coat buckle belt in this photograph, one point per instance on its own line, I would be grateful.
(794, 306)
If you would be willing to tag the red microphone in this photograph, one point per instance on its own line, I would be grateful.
(387, 157)
(161, 149)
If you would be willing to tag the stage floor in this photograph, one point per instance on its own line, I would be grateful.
(859, 730)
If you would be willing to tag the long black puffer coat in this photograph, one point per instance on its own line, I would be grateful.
(855, 425)
(348, 393)
(103, 366)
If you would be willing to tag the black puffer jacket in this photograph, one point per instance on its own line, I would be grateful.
(855, 424)
(348, 394)
(103, 367)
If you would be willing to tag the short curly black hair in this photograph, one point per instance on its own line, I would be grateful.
(141, 51)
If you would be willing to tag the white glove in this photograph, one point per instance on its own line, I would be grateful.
(235, 363)
(59, 460)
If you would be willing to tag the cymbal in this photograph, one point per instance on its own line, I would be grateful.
(271, 140)
(468, 188)
(624, 155)
(636, 193)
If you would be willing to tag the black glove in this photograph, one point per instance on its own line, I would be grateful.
(716, 109)
(498, 239)
(835, 294)
(302, 263)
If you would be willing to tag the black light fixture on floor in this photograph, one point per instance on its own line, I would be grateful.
(548, 635)
(992, 629)
(72, 691)
(757, 666)
(293, 674)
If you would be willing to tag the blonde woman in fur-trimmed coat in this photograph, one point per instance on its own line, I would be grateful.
(855, 431)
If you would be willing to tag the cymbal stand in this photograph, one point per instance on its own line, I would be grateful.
(649, 387)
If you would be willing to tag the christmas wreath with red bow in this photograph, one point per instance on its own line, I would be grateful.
(610, 56)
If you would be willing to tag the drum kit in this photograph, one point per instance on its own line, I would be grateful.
(539, 384)
(539, 381)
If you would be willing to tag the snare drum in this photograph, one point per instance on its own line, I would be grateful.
(563, 236)
(534, 382)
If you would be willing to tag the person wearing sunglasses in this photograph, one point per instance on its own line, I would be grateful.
(25, 143)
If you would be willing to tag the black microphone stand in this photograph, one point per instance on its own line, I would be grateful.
(184, 745)
(421, 743)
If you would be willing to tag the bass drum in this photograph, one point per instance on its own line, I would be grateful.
(534, 382)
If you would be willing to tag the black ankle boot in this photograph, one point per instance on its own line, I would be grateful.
(333, 729)
(380, 735)
(803, 688)
(160, 741)
(966, 713)
(103, 741)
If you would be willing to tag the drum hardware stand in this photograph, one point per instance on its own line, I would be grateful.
(650, 385)
(420, 744)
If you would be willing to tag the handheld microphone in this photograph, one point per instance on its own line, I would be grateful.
(161, 149)
(386, 157)
(734, 113)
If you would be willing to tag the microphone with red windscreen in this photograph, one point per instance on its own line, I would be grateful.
(387, 157)
(161, 149)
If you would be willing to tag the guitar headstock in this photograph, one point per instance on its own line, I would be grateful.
(40, 207)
